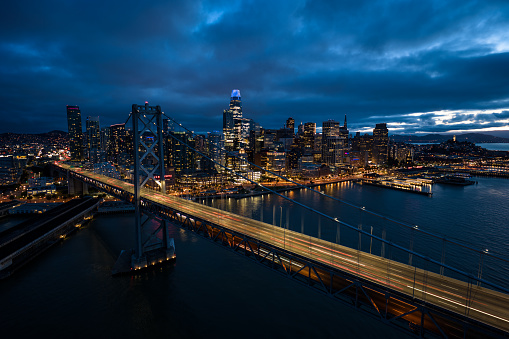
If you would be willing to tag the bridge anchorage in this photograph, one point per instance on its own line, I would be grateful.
(153, 246)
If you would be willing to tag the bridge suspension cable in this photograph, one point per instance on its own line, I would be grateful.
(413, 227)
(356, 229)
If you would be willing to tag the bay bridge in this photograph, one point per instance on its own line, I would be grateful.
(404, 295)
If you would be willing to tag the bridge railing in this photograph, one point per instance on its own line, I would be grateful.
(356, 226)
(344, 223)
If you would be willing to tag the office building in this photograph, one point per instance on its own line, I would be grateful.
(231, 125)
(75, 132)
(308, 136)
(236, 128)
(380, 144)
(331, 143)
(117, 142)
(180, 157)
(290, 124)
(93, 139)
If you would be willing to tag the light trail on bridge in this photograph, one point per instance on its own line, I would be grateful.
(463, 298)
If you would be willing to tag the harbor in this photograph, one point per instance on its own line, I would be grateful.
(396, 185)
(455, 179)
(412, 185)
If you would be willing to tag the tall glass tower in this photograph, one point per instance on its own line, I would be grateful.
(232, 121)
(236, 104)
(380, 144)
(75, 132)
(93, 139)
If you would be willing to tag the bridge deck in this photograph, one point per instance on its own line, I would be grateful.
(479, 303)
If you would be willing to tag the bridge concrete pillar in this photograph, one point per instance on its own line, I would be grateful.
(71, 189)
(75, 186)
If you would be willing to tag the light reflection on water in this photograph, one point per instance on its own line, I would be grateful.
(475, 215)
(209, 285)
(70, 287)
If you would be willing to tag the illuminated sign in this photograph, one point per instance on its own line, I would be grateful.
(167, 176)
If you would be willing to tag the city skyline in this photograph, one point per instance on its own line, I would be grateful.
(419, 67)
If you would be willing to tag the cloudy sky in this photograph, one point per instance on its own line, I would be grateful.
(420, 66)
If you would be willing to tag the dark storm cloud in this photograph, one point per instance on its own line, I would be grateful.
(376, 61)
(501, 115)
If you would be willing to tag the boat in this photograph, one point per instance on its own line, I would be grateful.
(399, 186)
(452, 179)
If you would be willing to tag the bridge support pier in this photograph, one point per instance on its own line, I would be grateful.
(75, 186)
(156, 246)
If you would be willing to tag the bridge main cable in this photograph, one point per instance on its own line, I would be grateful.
(467, 275)
(360, 208)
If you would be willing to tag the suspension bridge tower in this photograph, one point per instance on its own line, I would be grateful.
(152, 243)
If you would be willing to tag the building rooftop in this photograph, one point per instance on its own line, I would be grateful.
(236, 93)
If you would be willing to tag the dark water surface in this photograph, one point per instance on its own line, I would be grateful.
(211, 292)
(475, 215)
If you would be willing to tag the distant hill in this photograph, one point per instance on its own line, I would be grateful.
(437, 138)
(27, 138)
(54, 133)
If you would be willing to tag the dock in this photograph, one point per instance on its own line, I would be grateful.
(395, 185)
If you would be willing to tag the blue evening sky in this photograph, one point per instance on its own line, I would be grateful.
(419, 66)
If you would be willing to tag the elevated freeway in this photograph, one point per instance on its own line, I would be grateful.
(23, 242)
(425, 301)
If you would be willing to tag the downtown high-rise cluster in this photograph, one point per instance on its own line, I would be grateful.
(242, 145)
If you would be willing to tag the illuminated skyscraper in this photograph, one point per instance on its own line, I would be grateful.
(75, 132)
(334, 142)
(180, 156)
(93, 133)
(214, 150)
(330, 142)
(380, 144)
(308, 136)
(236, 104)
(235, 127)
(290, 124)
(117, 142)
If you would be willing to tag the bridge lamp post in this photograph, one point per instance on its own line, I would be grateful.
(281, 225)
(338, 232)
(479, 274)
(371, 240)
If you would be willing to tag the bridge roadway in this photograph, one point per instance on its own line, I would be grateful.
(478, 303)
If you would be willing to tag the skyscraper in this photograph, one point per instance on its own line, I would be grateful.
(300, 129)
(168, 126)
(181, 157)
(308, 136)
(117, 142)
(290, 124)
(93, 133)
(236, 104)
(235, 127)
(380, 144)
(215, 149)
(75, 132)
(331, 147)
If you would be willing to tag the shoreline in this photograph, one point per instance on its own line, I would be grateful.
(278, 190)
